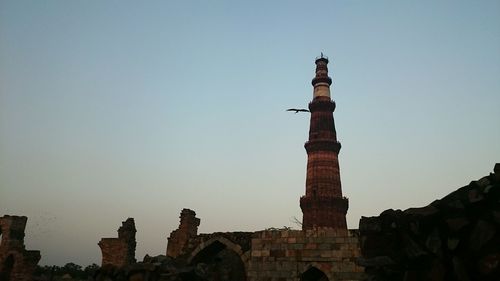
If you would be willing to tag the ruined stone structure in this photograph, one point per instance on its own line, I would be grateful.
(120, 252)
(323, 204)
(16, 263)
(454, 238)
(179, 238)
(315, 254)
(323, 250)
(322, 253)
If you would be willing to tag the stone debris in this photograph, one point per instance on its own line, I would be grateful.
(159, 268)
(455, 238)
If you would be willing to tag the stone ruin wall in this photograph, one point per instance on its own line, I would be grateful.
(454, 238)
(16, 263)
(272, 255)
(292, 254)
(179, 238)
(120, 252)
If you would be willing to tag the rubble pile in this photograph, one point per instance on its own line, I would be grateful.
(159, 268)
(455, 238)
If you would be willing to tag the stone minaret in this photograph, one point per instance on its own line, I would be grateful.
(323, 205)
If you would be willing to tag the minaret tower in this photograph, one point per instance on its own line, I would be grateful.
(323, 205)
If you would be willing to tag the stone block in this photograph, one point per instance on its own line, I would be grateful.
(277, 253)
(322, 246)
(326, 254)
(311, 246)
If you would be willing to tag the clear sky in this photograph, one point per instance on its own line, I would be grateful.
(116, 109)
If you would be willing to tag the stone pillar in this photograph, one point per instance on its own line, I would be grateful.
(120, 252)
(179, 238)
(16, 263)
(323, 204)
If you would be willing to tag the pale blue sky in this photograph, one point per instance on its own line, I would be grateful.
(116, 109)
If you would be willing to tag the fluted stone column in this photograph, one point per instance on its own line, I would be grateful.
(323, 204)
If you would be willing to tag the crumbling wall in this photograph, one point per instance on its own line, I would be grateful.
(179, 238)
(316, 254)
(16, 263)
(455, 238)
(238, 241)
(120, 252)
(281, 255)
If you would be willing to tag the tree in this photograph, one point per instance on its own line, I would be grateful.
(73, 269)
(90, 270)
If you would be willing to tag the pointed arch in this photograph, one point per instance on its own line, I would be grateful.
(220, 259)
(313, 274)
(213, 246)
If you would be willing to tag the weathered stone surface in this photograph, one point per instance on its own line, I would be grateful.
(375, 261)
(16, 263)
(330, 251)
(482, 233)
(277, 254)
(455, 224)
(370, 224)
(119, 252)
(454, 238)
(179, 238)
(428, 210)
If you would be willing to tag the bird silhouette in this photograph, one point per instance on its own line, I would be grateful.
(297, 110)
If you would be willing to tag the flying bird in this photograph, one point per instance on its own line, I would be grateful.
(297, 110)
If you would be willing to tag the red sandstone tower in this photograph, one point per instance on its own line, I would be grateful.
(323, 204)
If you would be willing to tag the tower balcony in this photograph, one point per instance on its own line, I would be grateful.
(321, 79)
(320, 202)
(322, 104)
(322, 145)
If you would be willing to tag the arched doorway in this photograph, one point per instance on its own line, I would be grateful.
(7, 268)
(217, 262)
(313, 274)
